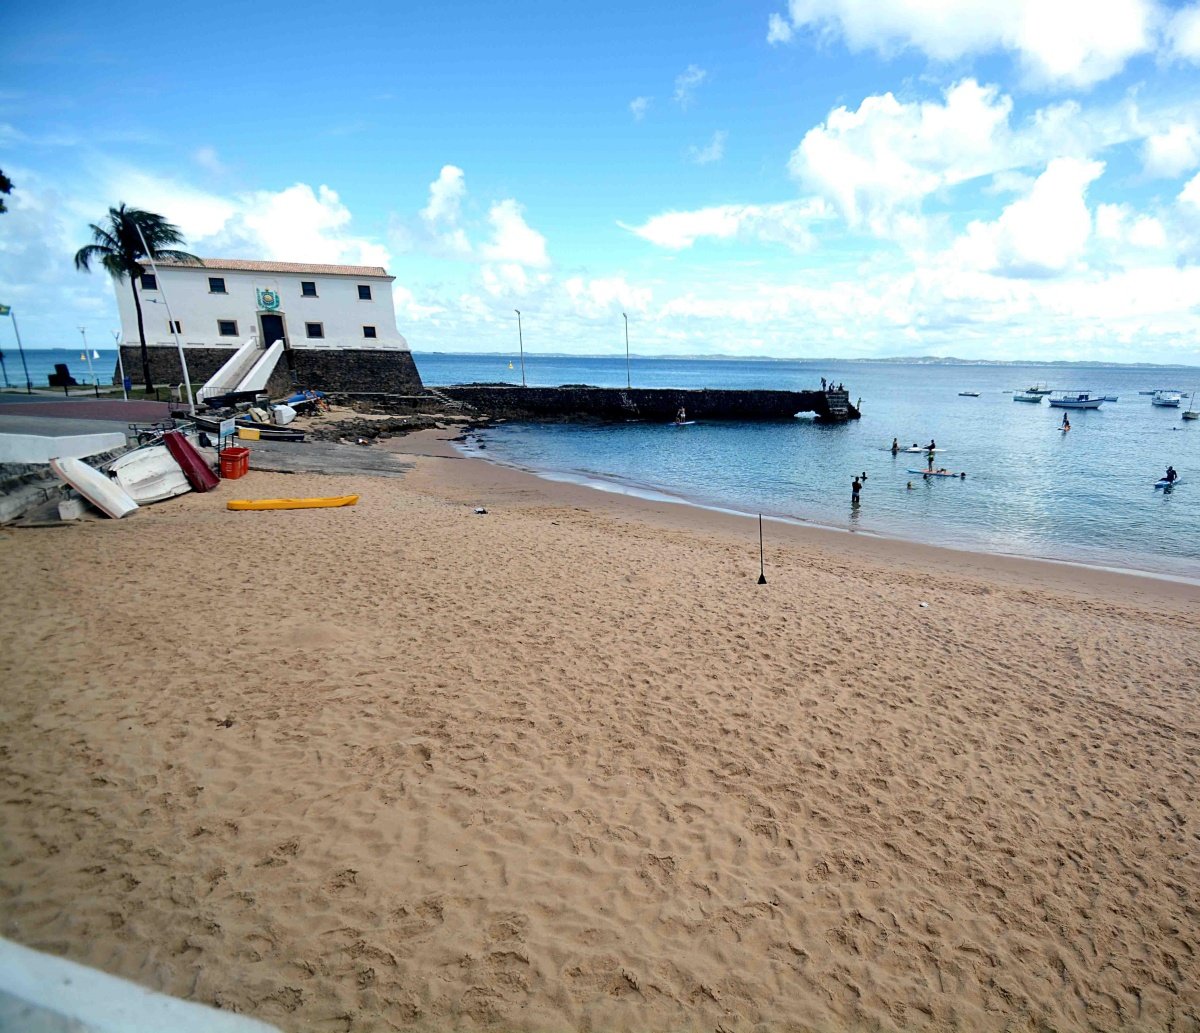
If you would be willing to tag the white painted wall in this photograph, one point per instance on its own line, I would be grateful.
(337, 307)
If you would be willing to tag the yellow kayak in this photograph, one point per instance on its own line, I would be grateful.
(329, 503)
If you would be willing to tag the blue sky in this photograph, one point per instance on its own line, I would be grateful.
(791, 178)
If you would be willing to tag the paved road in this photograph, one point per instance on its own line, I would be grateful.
(117, 410)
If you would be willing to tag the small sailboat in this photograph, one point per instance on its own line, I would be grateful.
(1191, 413)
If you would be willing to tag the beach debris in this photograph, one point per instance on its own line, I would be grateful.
(227, 723)
(924, 605)
(479, 511)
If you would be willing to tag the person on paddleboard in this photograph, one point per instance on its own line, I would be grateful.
(1172, 476)
(681, 416)
(1066, 423)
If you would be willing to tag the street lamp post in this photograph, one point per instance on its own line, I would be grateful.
(521, 343)
(628, 383)
(6, 310)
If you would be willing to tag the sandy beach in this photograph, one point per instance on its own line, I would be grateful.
(567, 766)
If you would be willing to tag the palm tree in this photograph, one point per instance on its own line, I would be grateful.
(119, 248)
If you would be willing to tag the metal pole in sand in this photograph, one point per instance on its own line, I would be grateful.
(762, 574)
(187, 381)
(7, 310)
(521, 343)
(88, 356)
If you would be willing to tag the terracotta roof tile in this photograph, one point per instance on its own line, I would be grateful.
(252, 266)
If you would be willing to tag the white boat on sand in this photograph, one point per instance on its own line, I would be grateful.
(149, 474)
(106, 495)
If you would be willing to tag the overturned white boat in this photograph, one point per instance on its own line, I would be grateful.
(149, 475)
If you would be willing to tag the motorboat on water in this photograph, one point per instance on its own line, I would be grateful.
(1038, 389)
(1168, 399)
(1076, 399)
(968, 394)
(1027, 396)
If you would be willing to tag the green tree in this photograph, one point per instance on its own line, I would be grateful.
(118, 247)
(5, 188)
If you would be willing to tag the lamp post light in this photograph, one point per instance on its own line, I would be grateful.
(628, 384)
(521, 343)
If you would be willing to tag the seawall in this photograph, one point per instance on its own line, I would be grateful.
(326, 369)
(577, 401)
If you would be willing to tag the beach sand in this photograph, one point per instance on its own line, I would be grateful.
(567, 766)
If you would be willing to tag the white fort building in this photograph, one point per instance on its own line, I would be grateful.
(331, 327)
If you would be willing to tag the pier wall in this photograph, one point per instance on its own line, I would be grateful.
(360, 369)
(577, 401)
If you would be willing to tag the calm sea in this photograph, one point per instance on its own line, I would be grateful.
(1085, 496)
(41, 364)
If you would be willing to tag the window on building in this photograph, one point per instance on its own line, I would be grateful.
(314, 329)
(369, 331)
(174, 326)
(308, 288)
(149, 282)
(216, 285)
(364, 292)
(227, 327)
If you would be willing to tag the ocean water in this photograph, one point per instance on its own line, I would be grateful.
(41, 363)
(1085, 496)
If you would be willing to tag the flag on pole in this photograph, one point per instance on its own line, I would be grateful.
(5, 310)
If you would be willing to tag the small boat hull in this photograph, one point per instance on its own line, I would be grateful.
(197, 471)
(1164, 483)
(105, 494)
(320, 503)
(149, 475)
(935, 473)
(1028, 397)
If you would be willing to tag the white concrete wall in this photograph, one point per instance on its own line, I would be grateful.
(337, 307)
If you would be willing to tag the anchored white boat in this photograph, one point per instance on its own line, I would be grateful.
(1168, 399)
(1027, 396)
(149, 475)
(1191, 413)
(968, 394)
(1076, 399)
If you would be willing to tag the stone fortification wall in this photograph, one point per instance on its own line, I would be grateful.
(575, 401)
(393, 372)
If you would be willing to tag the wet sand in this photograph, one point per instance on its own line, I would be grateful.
(566, 765)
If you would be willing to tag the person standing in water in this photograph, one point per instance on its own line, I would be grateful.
(1066, 423)
(895, 445)
(855, 488)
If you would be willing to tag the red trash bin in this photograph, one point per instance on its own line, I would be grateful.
(235, 462)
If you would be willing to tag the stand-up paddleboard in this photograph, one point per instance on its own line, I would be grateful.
(1164, 483)
(149, 475)
(333, 502)
(921, 451)
(683, 423)
(197, 471)
(935, 473)
(107, 496)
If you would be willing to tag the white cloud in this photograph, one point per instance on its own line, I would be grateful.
(779, 29)
(605, 296)
(1183, 34)
(878, 164)
(1043, 234)
(196, 212)
(638, 107)
(513, 240)
(786, 223)
(1172, 153)
(1065, 42)
(445, 196)
(686, 83)
(712, 151)
(207, 159)
(443, 212)
(888, 155)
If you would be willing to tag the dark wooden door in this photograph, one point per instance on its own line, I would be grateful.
(272, 329)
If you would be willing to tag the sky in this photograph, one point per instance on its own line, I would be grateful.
(791, 178)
